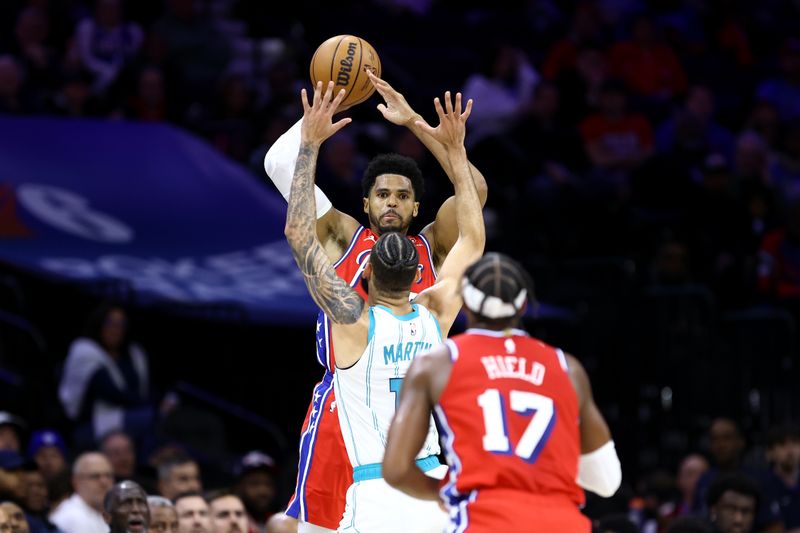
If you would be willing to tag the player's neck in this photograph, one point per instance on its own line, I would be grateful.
(398, 304)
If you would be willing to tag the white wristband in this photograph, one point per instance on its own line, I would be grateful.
(599, 471)
(279, 164)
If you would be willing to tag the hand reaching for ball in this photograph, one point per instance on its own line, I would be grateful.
(452, 122)
(318, 122)
(396, 109)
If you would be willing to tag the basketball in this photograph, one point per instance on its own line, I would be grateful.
(345, 60)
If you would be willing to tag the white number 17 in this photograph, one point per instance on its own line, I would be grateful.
(495, 421)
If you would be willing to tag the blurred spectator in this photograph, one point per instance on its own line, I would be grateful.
(584, 30)
(230, 126)
(37, 505)
(177, 475)
(779, 259)
(192, 512)
(733, 501)
(781, 483)
(616, 141)
(503, 90)
(163, 517)
(74, 97)
(581, 86)
(784, 92)
(48, 450)
(5, 523)
(192, 48)
(125, 508)
(255, 486)
(648, 67)
(105, 385)
(120, 450)
(92, 478)
(12, 481)
(149, 103)
(12, 98)
(765, 121)
(19, 523)
(11, 429)
(227, 513)
(107, 43)
(691, 468)
(693, 130)
(31, 47)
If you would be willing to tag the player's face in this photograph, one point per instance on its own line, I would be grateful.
(390, 205)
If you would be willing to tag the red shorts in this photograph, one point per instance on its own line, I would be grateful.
(493, 510)
(324, 472)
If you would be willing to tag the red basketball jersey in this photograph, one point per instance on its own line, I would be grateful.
(509, 417)
(351, 266)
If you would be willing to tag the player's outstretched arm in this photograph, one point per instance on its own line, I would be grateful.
(422, 387)
(599, 469)
(442, 232)
(444, 297)
(339, 301)
(333, 226)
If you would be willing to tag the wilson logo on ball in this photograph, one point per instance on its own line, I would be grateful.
(343, 78)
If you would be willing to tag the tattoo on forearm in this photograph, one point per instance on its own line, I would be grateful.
(339, 301)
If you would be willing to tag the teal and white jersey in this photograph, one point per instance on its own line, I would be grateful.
(368, 393)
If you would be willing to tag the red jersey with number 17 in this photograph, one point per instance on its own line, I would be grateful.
(509, 417)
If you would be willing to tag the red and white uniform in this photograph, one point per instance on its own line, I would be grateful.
(509, 421)
(324, 470)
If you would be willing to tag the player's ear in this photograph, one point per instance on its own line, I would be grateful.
(416, 209)
(366, 204)
(367, 274)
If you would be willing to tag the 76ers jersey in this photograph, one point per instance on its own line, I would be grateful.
(509, 417)
(351, 266)
(368, 392)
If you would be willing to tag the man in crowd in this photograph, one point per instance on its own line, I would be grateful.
(256, 488)
(16, 516)
(177, 475)
(11, 429)
(49, 451)
(192, 513)
(163, 517)
(125, 508)
(227, 514)
(781, 483)
(82, 512)
(732, 501)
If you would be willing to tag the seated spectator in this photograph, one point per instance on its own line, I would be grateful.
(11, 430)
(691, 468)
(504, 86)
(120, 450)
(585, 30)
(19, 522)
(192, 511)
(125, 508)
(48, 450)
(92, 478)
(227, 513)
(178, 475)
(107, 44)
(37, 504)
(163, 517)
(648, 67)
(784, 91)
(781, 483)
(105, 385)
(255, 486)
(12, 481)
(733, 501)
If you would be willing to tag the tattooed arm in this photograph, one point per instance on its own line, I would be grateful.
(339, 301)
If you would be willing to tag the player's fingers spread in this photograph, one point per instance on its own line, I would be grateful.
(438, 105)
(382, 108)
(304, 99)
(328, 93)
(341, 124)
(457, 107)
(465, 115)
(447, 103)
(339, 97)
(317, 94)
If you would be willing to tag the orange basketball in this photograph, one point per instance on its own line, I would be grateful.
(345, 60)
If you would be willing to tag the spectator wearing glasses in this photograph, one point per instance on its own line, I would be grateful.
(92, 478)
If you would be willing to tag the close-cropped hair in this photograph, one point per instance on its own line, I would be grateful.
(393, 164)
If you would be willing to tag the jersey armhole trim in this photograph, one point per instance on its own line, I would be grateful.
(452, 347)
(350, 247)
(430, 255)
(562, 359)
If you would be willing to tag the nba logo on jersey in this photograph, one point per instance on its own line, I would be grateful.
(412, 329)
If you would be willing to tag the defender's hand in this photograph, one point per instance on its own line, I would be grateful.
(452, 122)
(396, 110)
(318, 122)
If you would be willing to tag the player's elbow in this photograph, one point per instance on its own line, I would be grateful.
(394, 472)
(600, 471)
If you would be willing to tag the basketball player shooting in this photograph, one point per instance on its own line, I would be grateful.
(518, 420)
(375, 341)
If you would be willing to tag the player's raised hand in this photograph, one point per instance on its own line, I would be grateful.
(452, 121)
(318, 122)
(395, 109)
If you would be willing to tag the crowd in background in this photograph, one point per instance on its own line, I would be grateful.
(662, 137)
